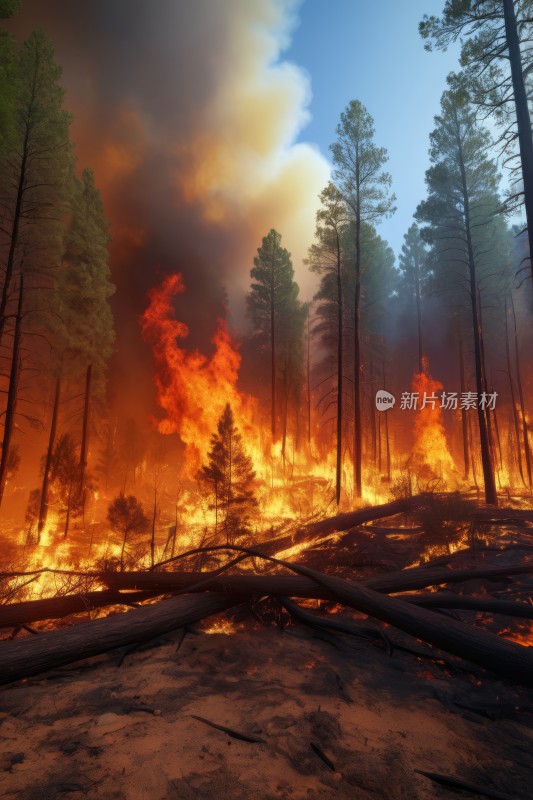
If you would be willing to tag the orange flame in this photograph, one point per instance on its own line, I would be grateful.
(192, 388)
(431, 454)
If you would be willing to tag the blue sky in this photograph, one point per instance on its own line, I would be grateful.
(371, 50)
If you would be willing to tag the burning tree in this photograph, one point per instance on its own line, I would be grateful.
(65, 478)
(126, 517)
(228, 480)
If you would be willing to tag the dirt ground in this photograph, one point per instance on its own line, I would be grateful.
(338, 719)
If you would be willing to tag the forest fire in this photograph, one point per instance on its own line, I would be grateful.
(299, 463)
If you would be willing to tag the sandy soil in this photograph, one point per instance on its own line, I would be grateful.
(106, 732)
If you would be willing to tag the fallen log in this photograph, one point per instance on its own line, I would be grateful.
(398, 581)
(36, 654)
(487, 650)
(341, 522)
(157, 583)
(491, 605)
(15, 614)
(420, 577)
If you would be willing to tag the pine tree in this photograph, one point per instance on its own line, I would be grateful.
(65, 479)
(82, 325)
(36, 167)
(326, 258)
(460, 208)
(365, 189)
(126, 517)
(496, 45)
(228, 479)
(8, 8)
(272, 304)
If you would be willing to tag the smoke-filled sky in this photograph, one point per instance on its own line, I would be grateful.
(200, 123)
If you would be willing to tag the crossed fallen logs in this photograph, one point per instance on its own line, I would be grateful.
(202, 594)
(197, 595)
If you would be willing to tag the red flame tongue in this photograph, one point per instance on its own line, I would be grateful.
(192, 388)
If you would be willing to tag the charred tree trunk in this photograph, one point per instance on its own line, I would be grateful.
(372, 409)
(152, 537)
(309, 377)
(17, 216)
(525, 432)
(523, 120)
(513, 399)
(43, 509)
(387, 440)
(419, 317)
(285, 410)
(85, 436)
(488, 413)
(357, 432)
(464, 419)
(380, 459)
(491, 495)
(9, 422)
(67, 511)
(273, 360)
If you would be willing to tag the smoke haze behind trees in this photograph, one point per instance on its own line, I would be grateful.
(187, 114)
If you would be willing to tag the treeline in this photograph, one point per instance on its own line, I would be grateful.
(56, 327)
(460, 252)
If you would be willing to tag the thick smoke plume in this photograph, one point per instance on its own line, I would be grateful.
(188, 114)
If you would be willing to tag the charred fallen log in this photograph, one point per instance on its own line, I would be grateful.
(35, 654)
(490, 605)
(145, 585)
(15, 614)
(400, 581)
(487, 650)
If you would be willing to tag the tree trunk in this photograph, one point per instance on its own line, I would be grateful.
(338, 470)
(285, 411)
(85, 437)
(523, 121)
(67, 513)
(464, 420)
(419, 318)
(309, 377)
(491, 495)
(43, 509)
(513, 398)
(273, 360)
(357, 432)
(387, 440)
(152, 538)
(9, 422)
(488, 413)
(17, 215)
(525, 432)
(372, 410)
